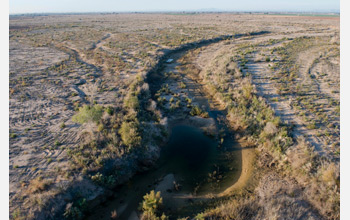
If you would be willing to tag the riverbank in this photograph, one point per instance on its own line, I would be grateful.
(190, 199)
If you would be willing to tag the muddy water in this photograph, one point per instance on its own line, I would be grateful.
(201, 166)
(198, 162)
(191, 157)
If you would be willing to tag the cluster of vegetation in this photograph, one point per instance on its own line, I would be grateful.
(254, 116)
(151, 207)
(108, 181)
(198, 111)
(38, 185)
(88, 114)
(274, 41)
(129, 132)
(75, 210)
(174, 101)
(112, 133)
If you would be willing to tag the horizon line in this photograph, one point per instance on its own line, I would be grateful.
(177, 11)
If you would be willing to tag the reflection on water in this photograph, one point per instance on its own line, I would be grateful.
(199, 160)
(189, 154)
(199, 163)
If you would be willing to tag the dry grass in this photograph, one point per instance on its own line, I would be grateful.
(38, 185)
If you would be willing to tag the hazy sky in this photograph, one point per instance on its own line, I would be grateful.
(30, 6)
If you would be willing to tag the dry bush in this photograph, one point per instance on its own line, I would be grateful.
(320, 177)
(324, 197)
(270, 128)
(282, 198)
(88, 134)
(301, 156)
(238, 209)
(38, 185)
(91, 90)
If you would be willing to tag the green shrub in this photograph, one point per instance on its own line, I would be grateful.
(129, 132)
(132, 102)
(182, 85)
(150, 206)
(17, 215)
(75, 210)
(57, 143)
(62, 125)
(100, 127)
(312, 125)
(88, 114)
(247, 90)
(151, 202)
(337, 109)
(153, 216)
(198, 111)
(108, 181)
(109, 110)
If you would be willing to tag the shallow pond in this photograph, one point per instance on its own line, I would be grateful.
(199, 164)
(199, 161)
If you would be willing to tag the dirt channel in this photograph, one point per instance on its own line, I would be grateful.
(187, 200)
